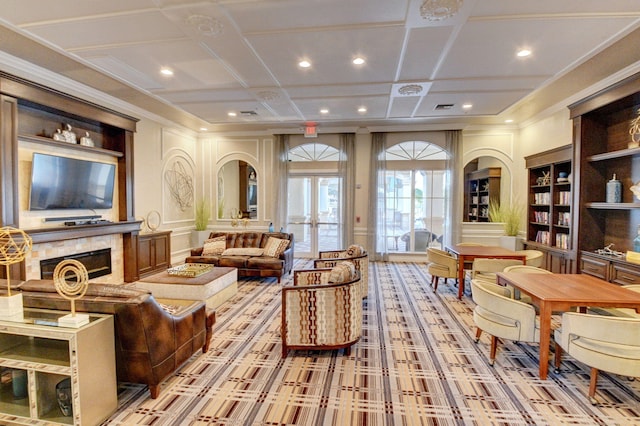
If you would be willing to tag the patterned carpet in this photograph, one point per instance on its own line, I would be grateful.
(416, 364)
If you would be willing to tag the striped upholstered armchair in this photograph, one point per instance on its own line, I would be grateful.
(322, 310)
(354, 253)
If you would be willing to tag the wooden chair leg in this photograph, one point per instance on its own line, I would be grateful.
(478, 333)
(494, 347)
(592, 385)
(557, 359)
(435, 286)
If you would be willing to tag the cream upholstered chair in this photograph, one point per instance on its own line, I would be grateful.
(534, 257)
(502, 317)
(322, 310)
(602, 342)
(441, 265)
(485, 269)
(354, 253)
(525, 269)
(619, 312)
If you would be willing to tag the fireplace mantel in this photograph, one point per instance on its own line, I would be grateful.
(59, 233)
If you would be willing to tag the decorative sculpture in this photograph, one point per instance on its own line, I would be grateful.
(180, 184)
(71, 290)
(634, 131)
(14, 246)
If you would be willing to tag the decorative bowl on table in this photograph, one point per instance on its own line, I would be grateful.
(190, 270)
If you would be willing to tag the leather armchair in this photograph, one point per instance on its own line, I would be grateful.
(318, 314)
(604, 343)
(502, 317)
(151, 341)
(441, 265)
(355, 254)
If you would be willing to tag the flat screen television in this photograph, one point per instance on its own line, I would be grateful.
(67, 183)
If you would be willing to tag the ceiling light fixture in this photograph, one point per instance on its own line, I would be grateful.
(437, 10)
(324, 111)
(523, 53)
(362, 109)
(304, 64)
(232, 114)
(358, 61)
(467, 106)
(166, 71)
(508, 121)
(203, 129)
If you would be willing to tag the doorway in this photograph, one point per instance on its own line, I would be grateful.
(314, 213)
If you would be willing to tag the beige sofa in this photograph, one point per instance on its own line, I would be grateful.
(240, 252)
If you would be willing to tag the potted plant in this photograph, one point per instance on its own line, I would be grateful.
(203, 213)
(510, 215)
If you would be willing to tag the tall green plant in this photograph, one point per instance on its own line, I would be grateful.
(509, 215)
(203, 212)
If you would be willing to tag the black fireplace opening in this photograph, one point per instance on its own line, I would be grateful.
(97, 262)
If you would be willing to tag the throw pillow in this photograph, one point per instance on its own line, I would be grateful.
(214, 246)
(275, 247)
(243, 251)
(342, 272)
(354, 250)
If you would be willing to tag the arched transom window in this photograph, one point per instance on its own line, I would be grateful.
(314, 152)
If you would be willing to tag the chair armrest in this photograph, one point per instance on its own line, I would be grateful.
(308, 277)
(599, 327)
(330, 254)
(197, 251)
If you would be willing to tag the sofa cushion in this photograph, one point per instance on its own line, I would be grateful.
(233, 261)
(265, 262)
(343, 272)
(243, 251)
(275, 247)
(214, 246)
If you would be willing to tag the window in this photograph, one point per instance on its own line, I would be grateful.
(414, 197)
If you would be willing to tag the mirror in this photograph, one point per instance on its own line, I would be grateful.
(237, 191)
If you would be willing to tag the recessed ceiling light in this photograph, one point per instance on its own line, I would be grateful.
(231, 114)
(304, 64)
(324, 111)
(508, 121)
(203, 129)
(362, 109)
(166, 71)
(467, 106)
(523, 53)
(358, 61)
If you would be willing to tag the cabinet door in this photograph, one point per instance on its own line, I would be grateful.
(560, 263)
(161, 248)
(145, 255)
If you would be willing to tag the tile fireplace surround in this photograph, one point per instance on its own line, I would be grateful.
(55, 249)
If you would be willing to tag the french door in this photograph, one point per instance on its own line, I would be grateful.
(314, 214)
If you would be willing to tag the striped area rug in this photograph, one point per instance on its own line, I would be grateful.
(416, 364)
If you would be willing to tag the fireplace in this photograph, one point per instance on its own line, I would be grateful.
(97, 262)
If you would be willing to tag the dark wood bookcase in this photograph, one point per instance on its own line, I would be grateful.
(481, 187)
(550, 214)
(602, 139)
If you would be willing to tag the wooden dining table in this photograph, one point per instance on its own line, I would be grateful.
(468, 253)
(562, 292)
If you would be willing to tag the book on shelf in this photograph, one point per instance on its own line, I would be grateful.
(564, 219)
(541, 217)
(562, 241)
(543, 237)
(542, 198)
(564, 197)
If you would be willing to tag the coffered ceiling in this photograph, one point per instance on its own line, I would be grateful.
(242, 56)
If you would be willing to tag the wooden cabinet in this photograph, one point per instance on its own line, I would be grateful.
(609, 268)
(550, 215)
(602, 141)
(481, 188)
(45, 355)
(154, 252)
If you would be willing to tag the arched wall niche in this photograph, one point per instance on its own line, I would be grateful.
(237, 188)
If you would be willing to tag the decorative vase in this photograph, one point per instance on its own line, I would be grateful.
(614, 190)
